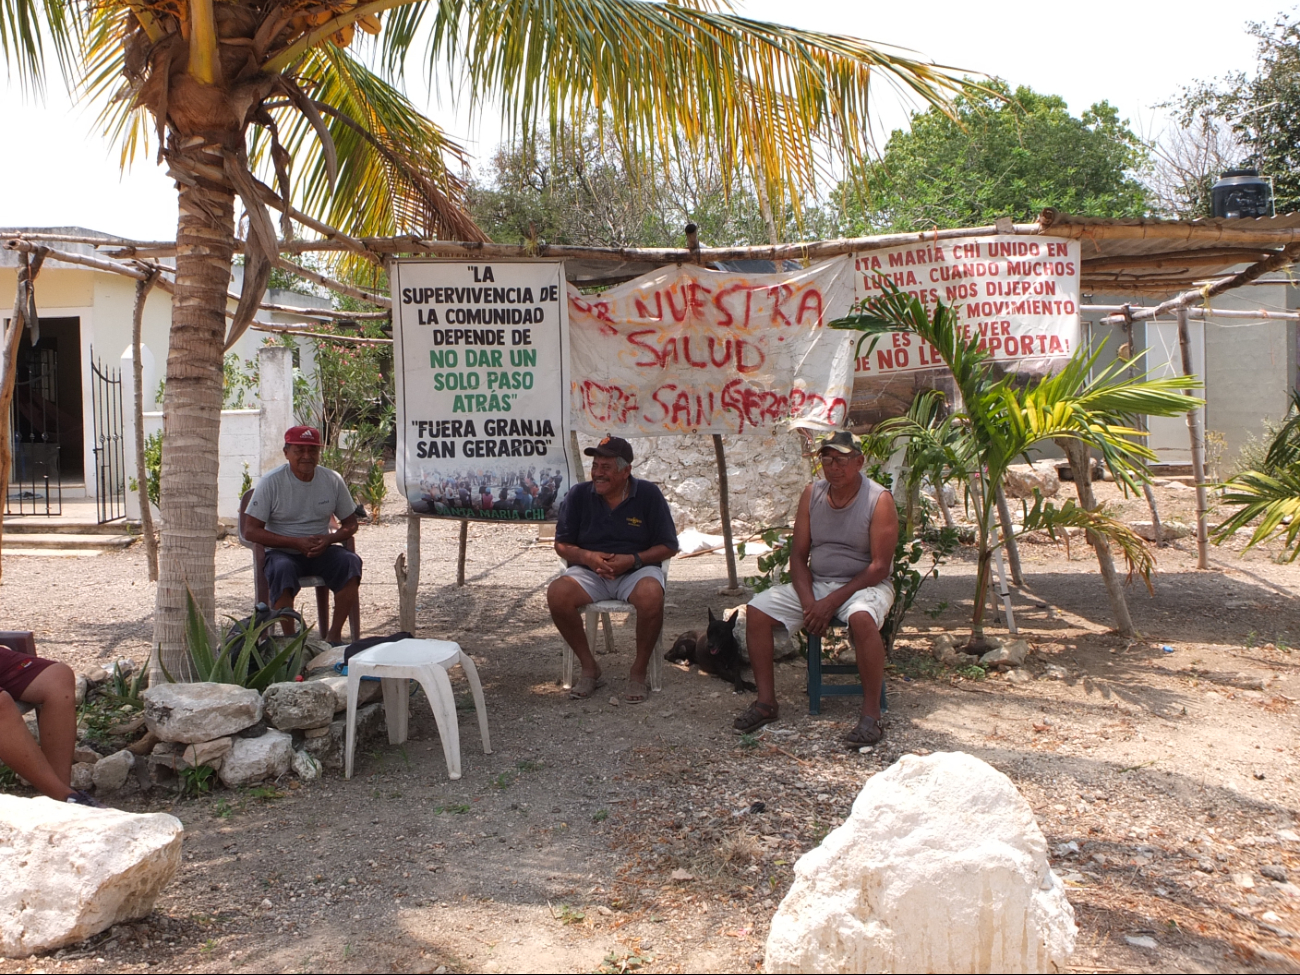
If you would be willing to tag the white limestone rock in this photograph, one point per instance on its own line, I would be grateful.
(305, 766)
(71, 872)
(83, 776)
(367, 691)
(1007, 656)
(111, 772)
(298, 704)
(254, 759)
(1169, 529)
(939, 868)
(191, 713)
(208, 753)
(1021, 480)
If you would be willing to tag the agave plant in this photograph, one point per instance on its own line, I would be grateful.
(1001, 420)
(246, 654)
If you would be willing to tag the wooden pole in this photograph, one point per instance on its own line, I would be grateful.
(724, 509)
(408, 575)
(1081, 467)
(1009, 538)
(1196, 430)
(460, 558)
(24, 308)
(142, 289)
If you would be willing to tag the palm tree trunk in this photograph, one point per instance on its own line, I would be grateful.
(1077, 454)
(205, 243)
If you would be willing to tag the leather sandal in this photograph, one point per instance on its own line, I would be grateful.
(754, 717)
(868, 731)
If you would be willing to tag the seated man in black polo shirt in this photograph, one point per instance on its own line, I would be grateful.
(613, 531)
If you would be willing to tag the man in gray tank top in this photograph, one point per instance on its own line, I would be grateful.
(841, 563)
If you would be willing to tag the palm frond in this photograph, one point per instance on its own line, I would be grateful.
(762, 97)
(393, 172)
(1284, 451)
(27, 27)
(1045, 516)
(1273, 498)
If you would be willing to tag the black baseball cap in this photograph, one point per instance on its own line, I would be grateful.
(841, 441)
(611, 447)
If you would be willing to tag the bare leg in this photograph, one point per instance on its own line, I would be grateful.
(870, 651)
(565, 598)
(648, 598)
(285, 602)
(344, 602)
(19, 751)
(758, 638)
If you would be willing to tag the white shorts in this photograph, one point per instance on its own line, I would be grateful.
(782, 602)
(620, 587)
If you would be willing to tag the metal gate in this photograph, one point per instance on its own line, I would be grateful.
(34, 487)
(110, 459)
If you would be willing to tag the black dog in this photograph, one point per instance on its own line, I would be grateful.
(716, 653)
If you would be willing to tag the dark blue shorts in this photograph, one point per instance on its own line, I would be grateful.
(336, 565)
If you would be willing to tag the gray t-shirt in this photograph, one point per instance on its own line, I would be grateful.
(297, 508)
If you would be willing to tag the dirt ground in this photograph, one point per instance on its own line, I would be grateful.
(604, 837)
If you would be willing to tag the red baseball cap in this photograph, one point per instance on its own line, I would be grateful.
(303, 435)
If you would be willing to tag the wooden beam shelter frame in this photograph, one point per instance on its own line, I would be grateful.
(1173, 254)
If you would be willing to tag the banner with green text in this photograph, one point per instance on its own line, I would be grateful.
(481, 361)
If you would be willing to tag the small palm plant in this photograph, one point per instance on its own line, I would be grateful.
(1270, 493)
(1001, 420)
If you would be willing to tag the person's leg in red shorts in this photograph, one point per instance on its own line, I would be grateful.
(48, 767)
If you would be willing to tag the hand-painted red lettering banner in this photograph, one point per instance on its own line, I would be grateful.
(690, 350)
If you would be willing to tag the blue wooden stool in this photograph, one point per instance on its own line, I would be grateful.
(817, 690)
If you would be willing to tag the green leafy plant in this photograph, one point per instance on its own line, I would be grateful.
(246, 655)
(1268, 493)
(1001, 419)
(600, 816)
(197, 780)
(152, 467)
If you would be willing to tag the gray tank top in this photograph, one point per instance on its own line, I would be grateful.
(841, 537)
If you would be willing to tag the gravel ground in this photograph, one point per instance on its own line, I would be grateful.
(604, 836)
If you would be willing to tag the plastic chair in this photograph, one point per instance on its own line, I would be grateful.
(426, 661)
(601, 610)
(260, 587)
(816, 669)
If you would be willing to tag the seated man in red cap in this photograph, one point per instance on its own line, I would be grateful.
(290, 514)
(614, 531)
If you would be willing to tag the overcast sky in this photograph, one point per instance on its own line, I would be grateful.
(1131, 54)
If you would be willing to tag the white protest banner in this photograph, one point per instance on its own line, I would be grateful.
(482, 388)
(689, 350)
(1018, 294)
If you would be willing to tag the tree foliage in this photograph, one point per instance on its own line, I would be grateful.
(1000, 153)
(578, 188)
(1262, 110)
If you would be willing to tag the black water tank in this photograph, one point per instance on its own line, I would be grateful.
(1242, 193)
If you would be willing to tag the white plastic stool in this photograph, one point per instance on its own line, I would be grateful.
(426, 661)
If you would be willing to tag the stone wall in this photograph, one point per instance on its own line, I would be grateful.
(766, 473)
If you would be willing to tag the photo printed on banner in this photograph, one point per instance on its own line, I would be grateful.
(482, 388)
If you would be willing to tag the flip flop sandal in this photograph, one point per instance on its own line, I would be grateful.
(638, 692)
(586, 687)
(867, 732)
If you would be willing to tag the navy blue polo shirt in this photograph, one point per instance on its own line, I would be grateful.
(640, 522)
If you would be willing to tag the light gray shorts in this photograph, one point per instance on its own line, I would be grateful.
(782, 602)
(619, 587)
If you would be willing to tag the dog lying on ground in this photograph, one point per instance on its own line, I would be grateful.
(717, 652)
